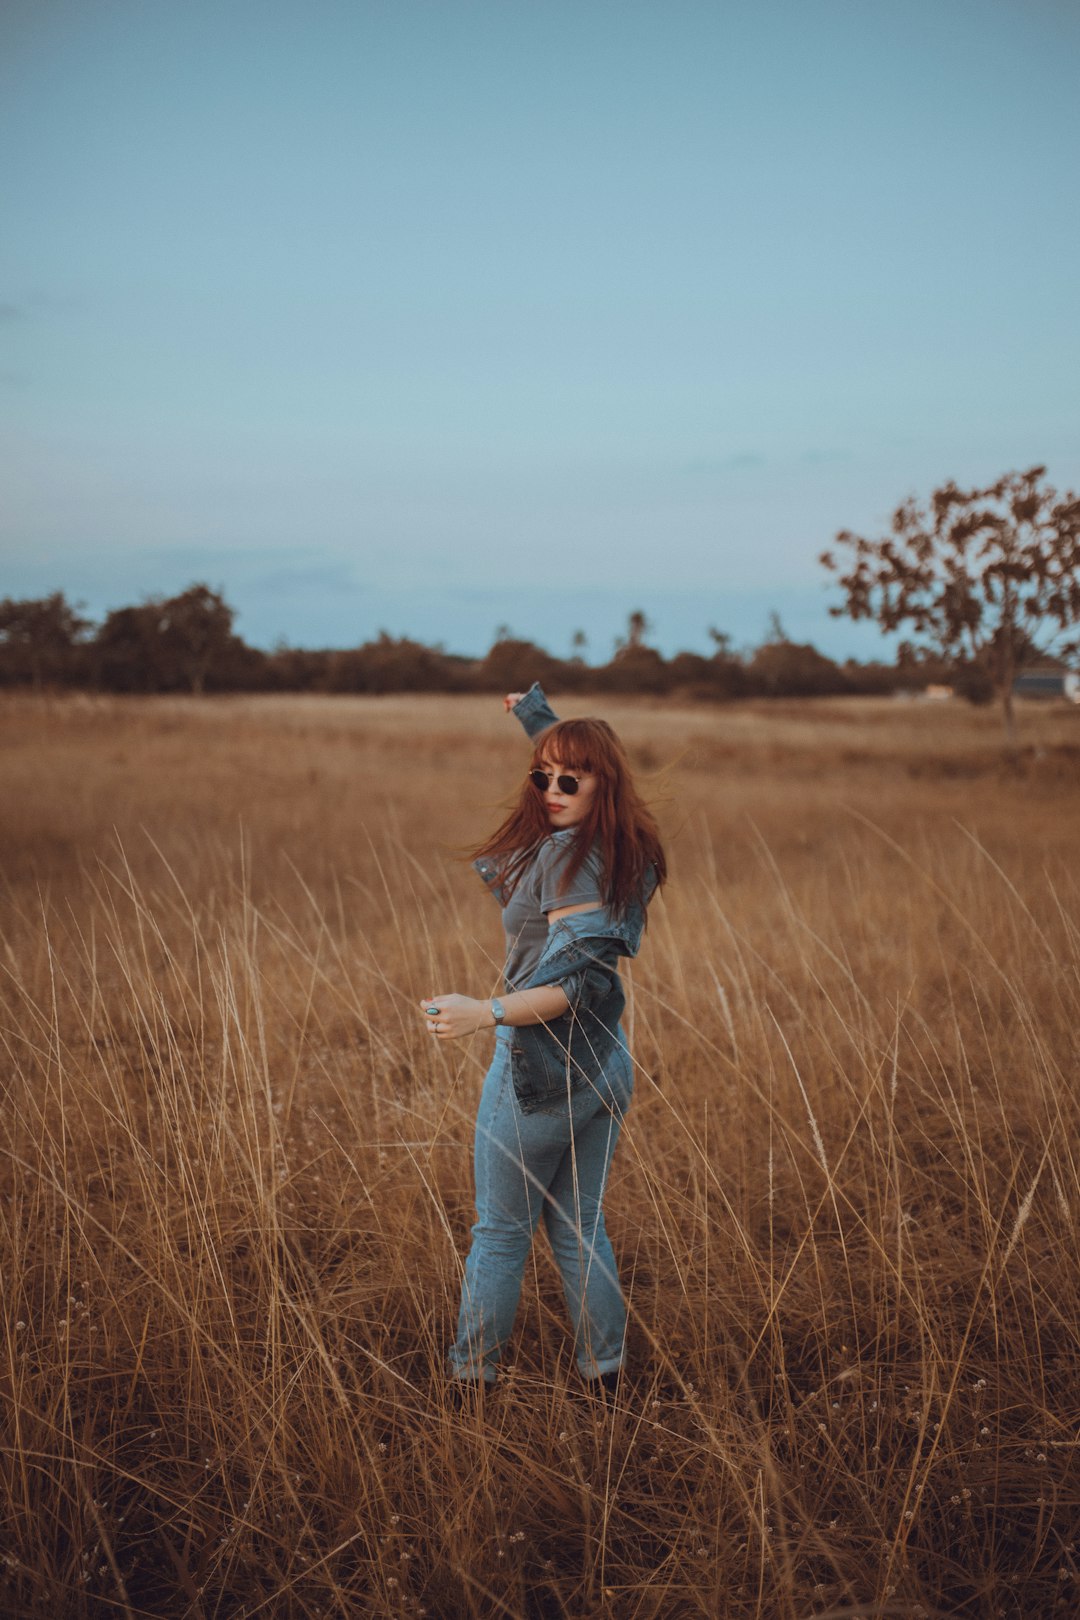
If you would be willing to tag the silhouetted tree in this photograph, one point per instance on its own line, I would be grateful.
(692, 675)
(790, 669)
(512, 665)
(634, 668)
(129, 650)
(297, 669)
(871, 680)
(637, 628)
(775, 634)
(166, 643)
(728, 676)
(40, 639)
(240, 668)
(197, 626)
(394, 664)
(972, 682)
(984, 576)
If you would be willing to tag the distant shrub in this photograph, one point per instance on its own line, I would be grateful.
(391, 664)
(710, 680)
(792, 669)
(974, 683)
(634, 669)
(512, 665)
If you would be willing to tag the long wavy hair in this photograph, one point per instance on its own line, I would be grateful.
(618, 820)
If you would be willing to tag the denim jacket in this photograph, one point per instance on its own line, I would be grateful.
(548, 1060)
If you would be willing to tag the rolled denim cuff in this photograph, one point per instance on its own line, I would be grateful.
(534, 711)
(491, 876)
(586, 988)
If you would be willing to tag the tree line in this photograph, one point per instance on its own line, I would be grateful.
(985, 581)
(186, 643)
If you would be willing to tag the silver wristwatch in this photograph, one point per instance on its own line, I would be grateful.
(497, 1011)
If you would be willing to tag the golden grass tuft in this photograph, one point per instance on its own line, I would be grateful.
(236, 1184)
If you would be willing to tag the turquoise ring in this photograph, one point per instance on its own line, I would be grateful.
(431, 1011)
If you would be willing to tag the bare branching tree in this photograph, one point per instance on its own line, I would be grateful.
(990, 577)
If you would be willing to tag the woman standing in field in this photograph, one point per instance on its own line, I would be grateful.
(573, 866)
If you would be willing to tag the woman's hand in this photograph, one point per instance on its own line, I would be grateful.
(511, 700)
(450, 1017)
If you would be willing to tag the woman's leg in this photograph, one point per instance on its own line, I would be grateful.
(515, 1157)
(555, 1162)
(574, 1218)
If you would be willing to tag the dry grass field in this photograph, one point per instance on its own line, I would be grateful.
(235, 1186)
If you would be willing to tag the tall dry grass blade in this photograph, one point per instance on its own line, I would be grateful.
(235, 1186)
(815, 1131)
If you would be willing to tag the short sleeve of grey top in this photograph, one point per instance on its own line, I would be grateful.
(538, 892)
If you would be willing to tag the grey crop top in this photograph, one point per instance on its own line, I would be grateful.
(525, 913)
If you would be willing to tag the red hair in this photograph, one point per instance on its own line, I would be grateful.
(618, 820)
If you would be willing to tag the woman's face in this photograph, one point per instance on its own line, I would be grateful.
(567, 809)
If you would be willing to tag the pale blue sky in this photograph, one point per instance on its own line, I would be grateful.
(436, 316)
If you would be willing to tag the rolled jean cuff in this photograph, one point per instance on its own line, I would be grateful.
(591, 1369)
(461, 1375)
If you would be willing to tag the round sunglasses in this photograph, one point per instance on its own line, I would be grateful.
(566, 784)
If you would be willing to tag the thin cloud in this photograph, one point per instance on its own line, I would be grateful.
(248, 562)
(336, 578)
(258, 570)
(42, 303)
(735, 463)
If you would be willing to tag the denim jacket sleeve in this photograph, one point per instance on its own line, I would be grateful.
(561, 1054)
(582, 963)
(534, 711)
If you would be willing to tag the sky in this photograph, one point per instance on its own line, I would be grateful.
(436, 316)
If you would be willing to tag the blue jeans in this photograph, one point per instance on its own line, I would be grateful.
(553, 1163)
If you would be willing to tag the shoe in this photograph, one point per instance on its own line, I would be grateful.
(605, 1385)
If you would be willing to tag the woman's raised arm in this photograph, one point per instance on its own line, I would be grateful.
(532, 709)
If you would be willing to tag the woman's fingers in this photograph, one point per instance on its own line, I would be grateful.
(452, 1015)
(438, 1024)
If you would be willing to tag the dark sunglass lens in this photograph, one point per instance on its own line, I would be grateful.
(565, 784)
